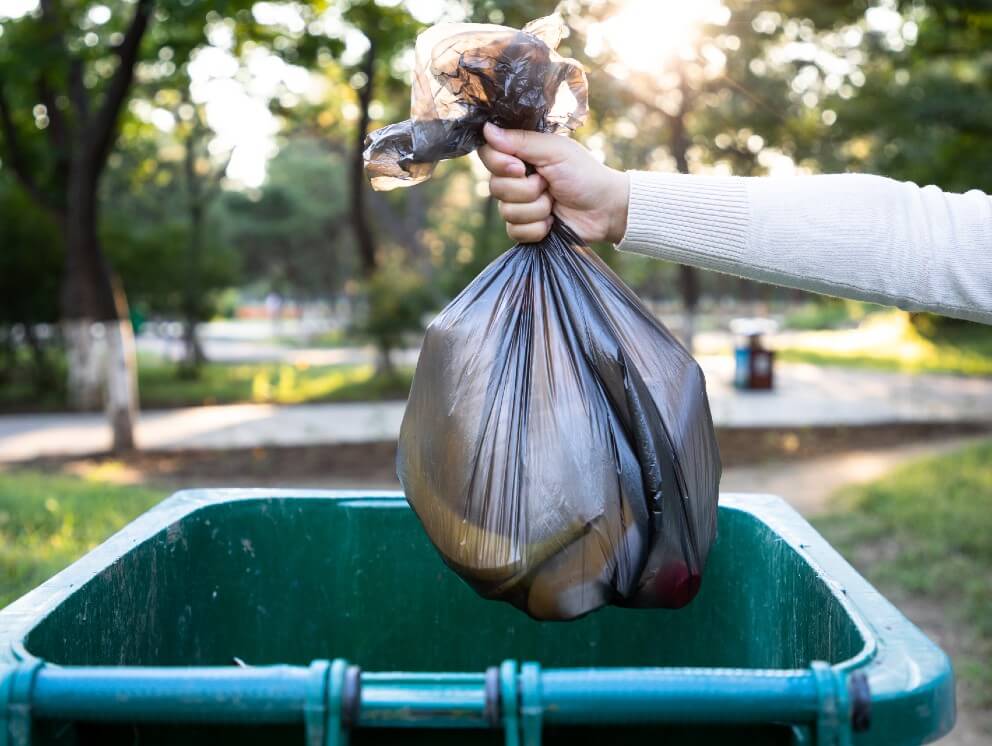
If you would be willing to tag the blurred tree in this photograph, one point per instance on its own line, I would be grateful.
(924, 110)
(375, 84)
(67, 75)
(708, 87)
(293, 234)
(157, 227)
(202, 180)
(679, 145)
(388, 29)
(901, 88)
(748, 88)
(66, 72)
(397, 298)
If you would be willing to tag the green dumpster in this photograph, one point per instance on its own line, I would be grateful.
(277, 617)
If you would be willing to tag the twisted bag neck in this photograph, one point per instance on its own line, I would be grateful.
(470, 74)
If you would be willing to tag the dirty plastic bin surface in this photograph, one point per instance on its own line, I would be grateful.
(351, 629)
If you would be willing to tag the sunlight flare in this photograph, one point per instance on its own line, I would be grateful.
(646, 35)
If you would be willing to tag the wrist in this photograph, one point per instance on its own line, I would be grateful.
(619, 193)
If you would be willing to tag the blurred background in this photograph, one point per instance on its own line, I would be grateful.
(197, 286)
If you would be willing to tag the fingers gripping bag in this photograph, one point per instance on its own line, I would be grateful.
(557, 445)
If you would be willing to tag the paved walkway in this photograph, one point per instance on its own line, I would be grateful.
(806, 395)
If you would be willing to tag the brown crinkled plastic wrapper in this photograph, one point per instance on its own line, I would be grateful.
(557, 445)
(468, 74)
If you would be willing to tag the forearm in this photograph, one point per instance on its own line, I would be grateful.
(856, 236)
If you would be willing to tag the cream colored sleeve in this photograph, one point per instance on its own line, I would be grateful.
(850, 235)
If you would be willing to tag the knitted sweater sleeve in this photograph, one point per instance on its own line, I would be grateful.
(850, 235)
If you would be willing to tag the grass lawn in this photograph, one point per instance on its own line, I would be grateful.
(160, 386)
(275, 383)
(887, 341)
(48, 521)
(832, 313)
(924, 532)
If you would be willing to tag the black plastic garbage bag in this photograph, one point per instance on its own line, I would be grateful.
(557, 445)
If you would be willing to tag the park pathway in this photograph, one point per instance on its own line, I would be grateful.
(805, 396)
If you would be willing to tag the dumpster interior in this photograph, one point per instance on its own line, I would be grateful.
(292, 580)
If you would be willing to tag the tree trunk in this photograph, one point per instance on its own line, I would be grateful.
(359, 218)
(85, 356)
(122, 384)
(745, 292)
(384, 367)
(42, 372)
(689, 285)
(193, 353)
(688, 276)
(99, 341)
(87, 298)
(8, 353)
(98, 346)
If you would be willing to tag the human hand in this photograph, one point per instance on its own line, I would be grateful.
(570, 184)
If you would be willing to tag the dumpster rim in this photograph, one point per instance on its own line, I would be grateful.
(38, 603)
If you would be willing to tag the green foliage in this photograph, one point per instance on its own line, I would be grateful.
(396, 299)
(63, 61)
(66, 73)
(389, 28)
(944, 328)
(31, 263)
(32, 380)
(925, 111)
(471, 237)
(48, 521)
(293, 235)
(825, 312)
(922, 113)
(888, 341)
(30, 259)
(153, 263)
(147, 227)
(923, 531)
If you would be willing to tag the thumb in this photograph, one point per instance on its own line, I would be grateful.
(535, 148)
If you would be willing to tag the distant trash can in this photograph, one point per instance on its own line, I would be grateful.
(754, 363)
(138, 319)
(276, 617)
